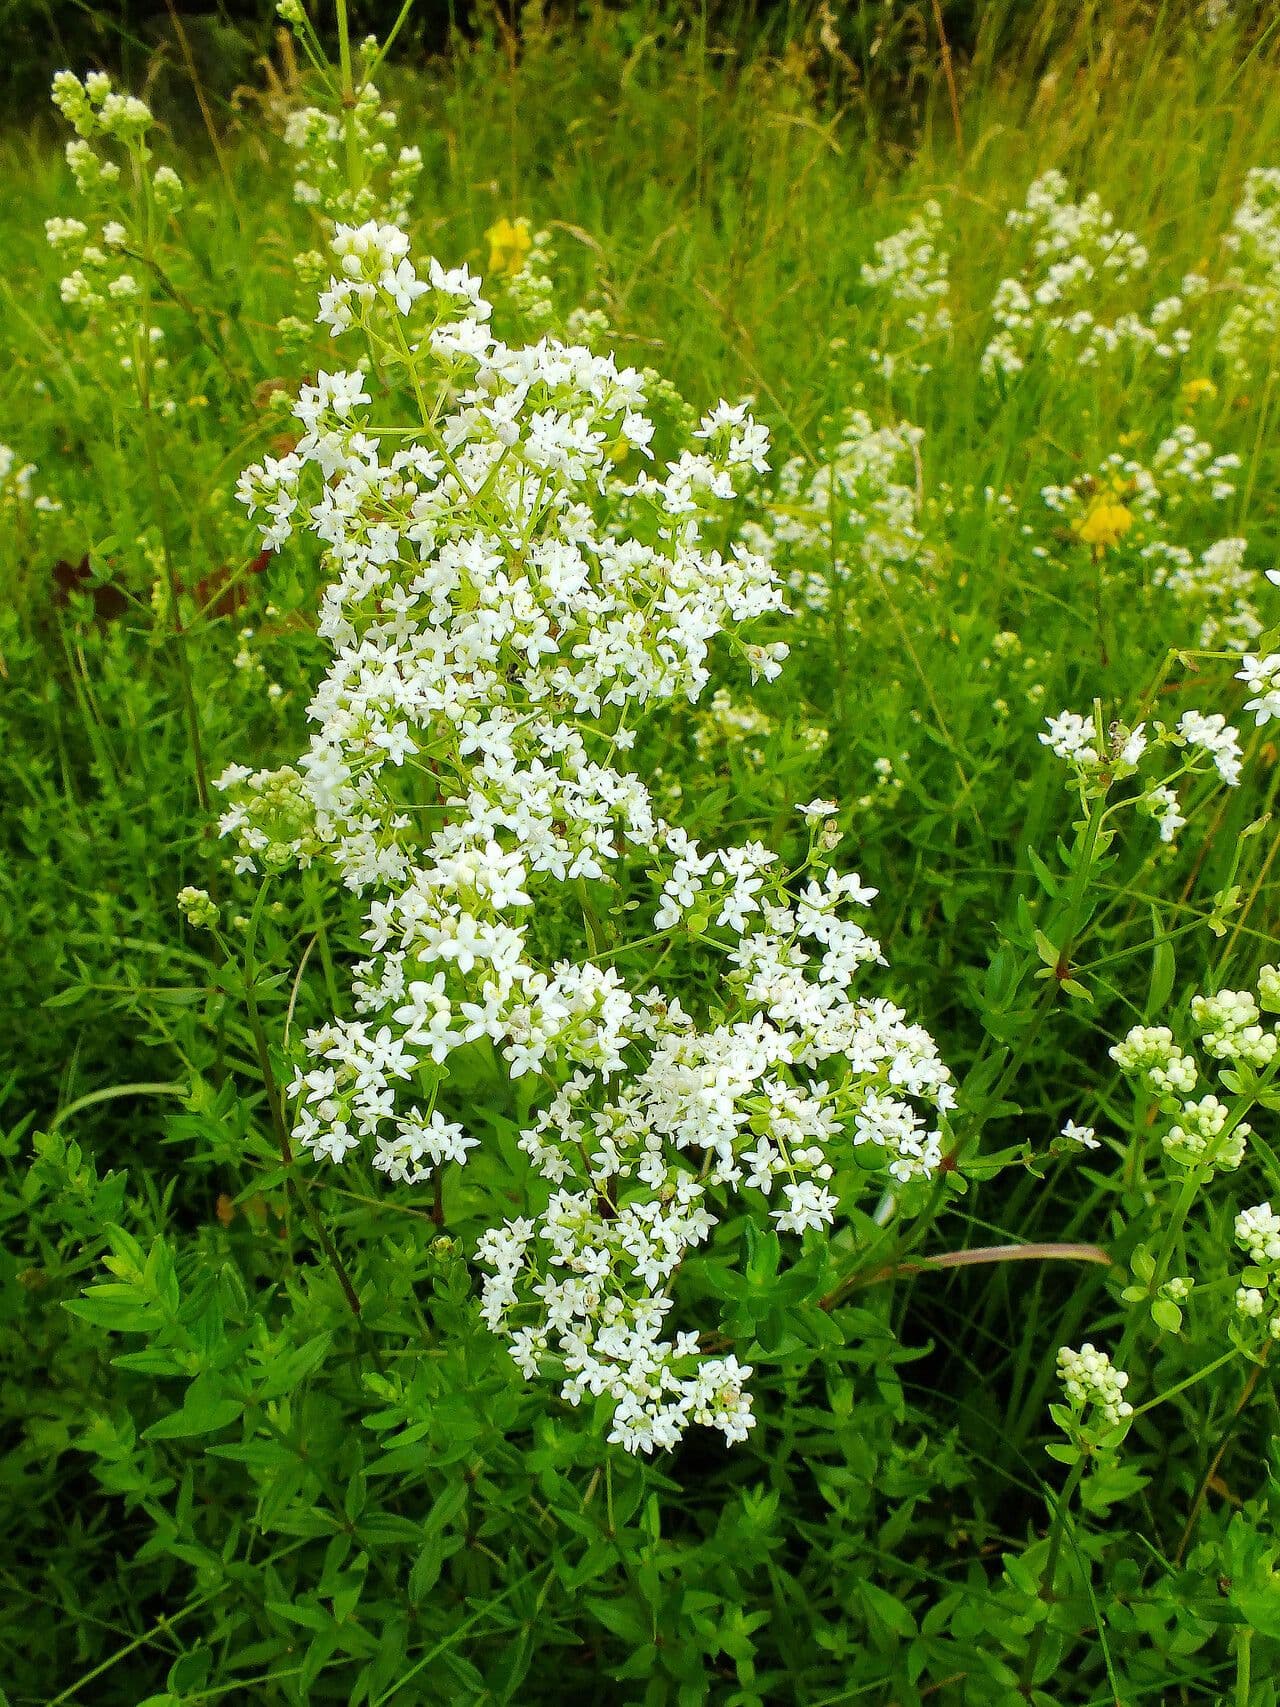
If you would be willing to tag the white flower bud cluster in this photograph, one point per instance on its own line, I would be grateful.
(512, 589)
(1258, 1235)
(1099, 757)
(1208, 1132)
(1079, 259)
(1148, 1052)
(325, 144)
(1089, 1377)
(858, 511)
(1229, 1028)
(911, 276)
(1202, 1134)
(95, 110)
(127, 211)
(198, 907)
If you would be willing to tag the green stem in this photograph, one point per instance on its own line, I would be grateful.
(1061, 1507)
(1244, 1654)
(1172, 1393)
(143, 367)
(275, 1106)
(348, 95)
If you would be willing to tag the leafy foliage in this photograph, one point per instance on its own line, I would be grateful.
(261, 1444)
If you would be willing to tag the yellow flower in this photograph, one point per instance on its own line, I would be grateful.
(1197, 390)
(1105, 524)
(510, 240)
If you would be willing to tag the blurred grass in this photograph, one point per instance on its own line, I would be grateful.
(727, 184)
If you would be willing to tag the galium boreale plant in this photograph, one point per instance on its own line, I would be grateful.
(1174, 1140)
(121, 286)
(1072, 296)
(908, 281)
(117, 253)
(1197, 1137)
(347, 162)
(519, 576)
(1246, 337)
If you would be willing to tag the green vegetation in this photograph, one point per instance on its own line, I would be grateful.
(980, 1404)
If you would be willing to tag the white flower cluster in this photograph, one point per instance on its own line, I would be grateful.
(1209, 1132)
(1090, 1378)
(1199, 742)
(1261, 676)
(1218, 584)
(1148, 1052)
(1079, 259)
(1184, 462)
(1258, 1235)
(1252, 324)
(325, 144)
(128, 210)
(17, 486)
(858, 511)
(1229, 1027)
(512, 588)
(911, 277)
(1183, 468)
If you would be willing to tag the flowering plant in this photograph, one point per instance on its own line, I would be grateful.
(514, 588)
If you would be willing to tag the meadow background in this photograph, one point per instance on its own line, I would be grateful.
(218, 1482)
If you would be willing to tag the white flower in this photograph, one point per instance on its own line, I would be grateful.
(1085, 1136)
(817, 810)
(403, 286)
(1213, 735)
(1262, 678)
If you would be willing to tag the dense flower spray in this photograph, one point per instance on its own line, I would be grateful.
(1248, 333)
(514, 583)
(910, 279)
(1061, 299)
(114, 252)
